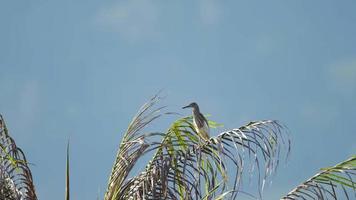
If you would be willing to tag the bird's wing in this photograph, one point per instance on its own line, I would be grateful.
(200, 121)
(204, 124)
(204, 120)
(204, 129)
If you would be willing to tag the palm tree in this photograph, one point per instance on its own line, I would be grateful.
(181, 166)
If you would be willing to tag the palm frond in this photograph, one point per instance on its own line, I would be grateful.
(186, 167)
(336, 182)
(132, 147)
(15, 176)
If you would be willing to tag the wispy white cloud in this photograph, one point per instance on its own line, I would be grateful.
(210, 11)
(136, 20)
(132, 19)
(343, 76)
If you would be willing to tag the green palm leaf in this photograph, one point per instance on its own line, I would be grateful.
(336, 182)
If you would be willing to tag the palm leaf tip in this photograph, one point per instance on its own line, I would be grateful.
(337, 182)
(67, 189)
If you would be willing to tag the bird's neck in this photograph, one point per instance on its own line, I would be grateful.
(196, 110)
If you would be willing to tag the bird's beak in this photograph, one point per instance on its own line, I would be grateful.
(186, 107)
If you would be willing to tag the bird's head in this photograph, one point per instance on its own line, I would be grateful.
(192, 105)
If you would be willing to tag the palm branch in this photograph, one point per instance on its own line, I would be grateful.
(336, 182)
(131, 148)
(15, 176)
(186, 167)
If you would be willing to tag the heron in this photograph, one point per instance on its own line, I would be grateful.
(199, 121)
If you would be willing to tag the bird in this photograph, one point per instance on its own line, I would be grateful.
(200, 123)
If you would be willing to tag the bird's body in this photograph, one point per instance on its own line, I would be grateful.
(200, 122)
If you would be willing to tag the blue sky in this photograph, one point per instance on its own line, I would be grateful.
(81, 69)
